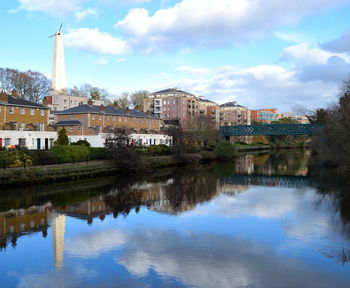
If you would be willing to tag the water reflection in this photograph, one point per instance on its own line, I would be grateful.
(261, 222)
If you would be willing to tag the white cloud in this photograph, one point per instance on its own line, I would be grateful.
(262, 86)
(95, 41)
(309, 56)
(93, 244)
(83, 13)
(202, 23)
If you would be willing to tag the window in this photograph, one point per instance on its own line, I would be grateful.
(93, 117)
(7, 141)
(113, 118)
(41, 127)
(79, 128)
(23, 125)
(32, 111)
(70, 129)
(12, 110)
(23, 111)
(99, 117)
(107, 118)
(42, 112)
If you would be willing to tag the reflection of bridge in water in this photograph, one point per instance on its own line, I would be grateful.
(266, 180)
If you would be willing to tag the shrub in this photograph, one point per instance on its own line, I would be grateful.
(82, 143)
(42, 156)
(225, 150)
(97, 153)
(66, 153)
(14, 158)
(62, 138)
(160, 150)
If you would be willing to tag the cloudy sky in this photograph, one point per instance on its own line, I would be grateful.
(261, 53)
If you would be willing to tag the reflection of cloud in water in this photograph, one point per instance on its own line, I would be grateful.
(263, 202)
(207, 260)
(93, 244)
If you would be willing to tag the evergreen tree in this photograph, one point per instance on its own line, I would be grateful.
(62, 137)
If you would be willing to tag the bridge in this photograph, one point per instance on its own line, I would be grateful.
(271, 129)
(264, 180)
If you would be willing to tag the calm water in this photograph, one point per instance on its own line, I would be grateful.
(259, 222)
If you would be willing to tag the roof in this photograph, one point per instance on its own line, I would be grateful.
(232, 104)
(172, 90)
(15, 101)
(68, 123)
(85, 108)
(206, 100)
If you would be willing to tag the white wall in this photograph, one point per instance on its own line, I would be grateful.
(147, 139)
(29, 136)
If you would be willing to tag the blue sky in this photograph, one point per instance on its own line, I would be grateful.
(261, 53)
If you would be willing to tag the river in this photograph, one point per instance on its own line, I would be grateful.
(264, 220)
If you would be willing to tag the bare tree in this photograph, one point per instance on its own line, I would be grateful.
(30, 85)
(137, 98)
(123, 100)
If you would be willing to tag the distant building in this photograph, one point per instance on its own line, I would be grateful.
(24, 123)
(299, 118)
(210, 110)
(172, 104)
(264, 116)
(234, 114)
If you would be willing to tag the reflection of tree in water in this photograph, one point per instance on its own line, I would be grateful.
(292, 162)
(189, 189)
(335, 183)
(124, 201)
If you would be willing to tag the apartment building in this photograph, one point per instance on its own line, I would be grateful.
(172, 104)
(234, 114)
(264, 116)
(24, 123)
(210, 110)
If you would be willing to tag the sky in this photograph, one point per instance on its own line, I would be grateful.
(280, 54)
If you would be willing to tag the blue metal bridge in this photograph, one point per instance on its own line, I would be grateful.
(271, 129)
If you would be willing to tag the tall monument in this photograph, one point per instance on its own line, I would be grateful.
(58, 80)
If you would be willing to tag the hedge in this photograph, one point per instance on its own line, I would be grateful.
(66, 153)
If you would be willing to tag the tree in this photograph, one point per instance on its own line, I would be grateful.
(123, 100)
(137, 98)
(30, 85)
(62, 137)
(202, 130)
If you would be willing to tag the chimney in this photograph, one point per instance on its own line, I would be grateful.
(115, 105)
(90, 102)
(14, 93)
(127, 111)
(45, 101)
(4, 97)
(102, 108)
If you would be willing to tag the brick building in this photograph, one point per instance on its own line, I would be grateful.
(264, 116)
(172, 104)
(93, 123)
(234, 114)
(24, 123)
(210, 110)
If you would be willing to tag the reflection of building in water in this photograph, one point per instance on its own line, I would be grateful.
(58, 223)
(232, 189)
(17, 223)
(244, 164)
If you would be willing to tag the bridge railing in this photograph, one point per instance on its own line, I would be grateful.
(271, 129)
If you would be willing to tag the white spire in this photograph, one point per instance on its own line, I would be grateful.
(58, 81)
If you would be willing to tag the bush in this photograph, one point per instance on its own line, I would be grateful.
(66, 153)
(14, 158)
(62, 138)
(42, 156)
(97, 153)
(81, 142)
(160, 150)
(225, 150)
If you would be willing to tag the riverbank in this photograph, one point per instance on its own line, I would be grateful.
(14, 177)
